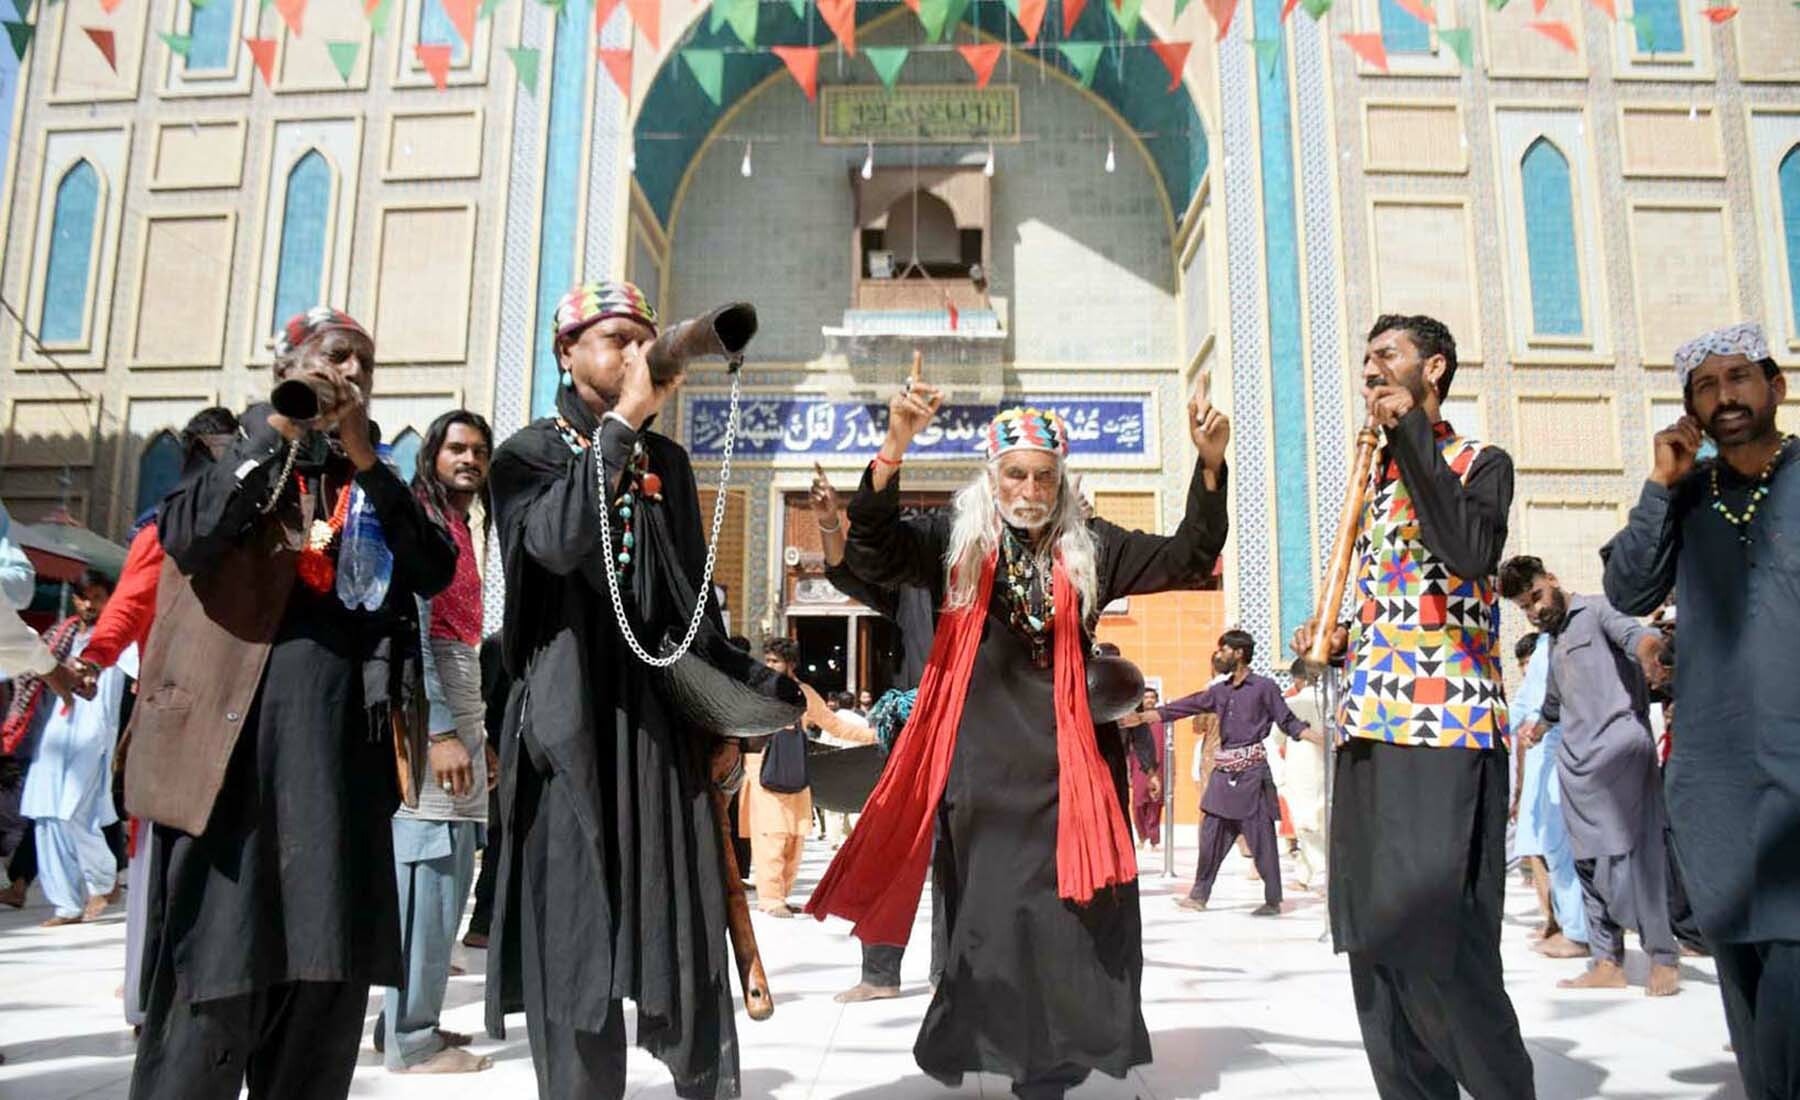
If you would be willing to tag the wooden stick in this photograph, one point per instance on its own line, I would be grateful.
(757, 1001)
(1337, 575)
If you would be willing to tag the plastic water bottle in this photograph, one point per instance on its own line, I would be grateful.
(365, 564)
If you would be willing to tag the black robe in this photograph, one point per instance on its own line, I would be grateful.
(605, 797)
(1033, 986)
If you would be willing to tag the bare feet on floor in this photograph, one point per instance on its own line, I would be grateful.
(780, 912)
(451, 1060)
(95, 906)
(1560, 946)
(1665, 981)
(58, 922)
(863, 991)
(1604, 974)
(1192, 904)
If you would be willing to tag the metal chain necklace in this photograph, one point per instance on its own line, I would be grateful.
(281, 479)
(712, 545)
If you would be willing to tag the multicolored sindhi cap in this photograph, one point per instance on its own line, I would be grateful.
(1026, 429)
(590, 303)
(302, 327)
(1745, 339)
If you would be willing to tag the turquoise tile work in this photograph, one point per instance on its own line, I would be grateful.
(1660, 28)
(1550, 241)
(435, 29)
(1789, 174)
(562, 180)
(1402, 31)
(209, 31)
(71, 254)
(300, 272)
(158, 469)
(1287, 363)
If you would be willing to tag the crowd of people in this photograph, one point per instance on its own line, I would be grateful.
(318, 731)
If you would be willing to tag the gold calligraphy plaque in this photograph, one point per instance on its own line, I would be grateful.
(850, 114)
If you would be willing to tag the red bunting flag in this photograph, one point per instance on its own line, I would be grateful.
(262, 51)
(1072, 10)
(1174, 58)
(647, 14)
(618, 66)
(1538, 6)
(1419, 10)
(982, 59)
(840, 16)
(602, 13)
(1368, 47)
(950, 308)
(104, 41)
(436, 59)
(1718, 15)
(1222, 11)
(462, 17)
(292, 12)
(1287, 9)
(803, 64)
(1606, 6)
(107, 6)
(1556, 32)
(1031, 18)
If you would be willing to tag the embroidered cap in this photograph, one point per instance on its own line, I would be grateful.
(1745, 339)
(591, 303)
(1026, 429)
(316, 321)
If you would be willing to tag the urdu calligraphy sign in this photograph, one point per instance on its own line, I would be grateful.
(789, 425)
(850, 114)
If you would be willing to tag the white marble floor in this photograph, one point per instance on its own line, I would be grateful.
(1237, 1006)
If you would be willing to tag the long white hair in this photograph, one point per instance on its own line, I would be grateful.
(975, 534)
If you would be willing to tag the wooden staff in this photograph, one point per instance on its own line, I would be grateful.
(1337, 576)
(757, 1001)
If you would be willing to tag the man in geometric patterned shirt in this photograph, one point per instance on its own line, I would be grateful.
(1418, 832)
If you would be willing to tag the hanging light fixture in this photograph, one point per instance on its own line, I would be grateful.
(987, 169)
(744, 169)
(868, 168)
(1112, 162)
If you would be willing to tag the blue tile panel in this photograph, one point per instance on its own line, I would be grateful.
(300, 272)
(211, 42)
(1660, 28)
(1550, 241)
(435, 29)
(1402, 31)
(71, 254)
(1789, 175)
(158, 469)
(562, 178)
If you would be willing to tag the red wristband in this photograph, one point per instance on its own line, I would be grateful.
(886, 461)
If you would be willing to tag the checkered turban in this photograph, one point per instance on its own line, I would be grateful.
(1026, 429)
(1744, 339)
(316, 321)
(590, 303)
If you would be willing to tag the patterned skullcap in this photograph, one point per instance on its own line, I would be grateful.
(593, 302)
(1026, 429)
(1744, 339)
(316, 321)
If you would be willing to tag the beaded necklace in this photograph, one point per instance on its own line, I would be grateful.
(1026, 593)
(636, 486)
(1742, 520)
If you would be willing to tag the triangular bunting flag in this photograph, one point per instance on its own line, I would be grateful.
(603, 12)
(1557, 32)
(178, 44)
(110, 6)
(1368, 47)
(1174, 58)
(647, 14)
(840, 16)
(1287, 9)
(555, 6)
(803, 64)
(1268, 52)
(740, 14)
(1497, 5)
(199, 5)
(1461, 42)
(1538, 6)
(618, 66)
(1645, 25)
(487, 9)
(525, 62)
(104, 41)
(1718, 15)
(1607, 7)
(1072, 10)
(1420, 10)
(708, 67)
(1316, 8)
(1222, 11)
(262, 51)
(20, 34)
(957, 10)
(1126, 14)
(343, 57)
(982, 59)
(933, 15)
(292, 13)
(1083, 57)
(436, 59)
(799, 7)
(462, 17)
(378, 12)
(887, 61)
(1030, 15)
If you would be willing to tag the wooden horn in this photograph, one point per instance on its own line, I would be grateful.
(1337, 574)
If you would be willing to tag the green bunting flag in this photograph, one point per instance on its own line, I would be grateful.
(1496, 5)
(20, 33)
(487, 9)
(199, 5)
(741, 14)
(939, 17)
(1126, 14)
(1181, 6)
(1083, 57)
(1268, 52)
(799, 7)
(1316, 8)
(343, 57)
(1461, 43)
(178, 44)
(378, 17)
(708, 67)
(525, 63)
(887, 61)
(1645, 25)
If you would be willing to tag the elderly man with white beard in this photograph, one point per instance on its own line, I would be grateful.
(1042, 976)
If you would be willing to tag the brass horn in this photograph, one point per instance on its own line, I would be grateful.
(724, 333)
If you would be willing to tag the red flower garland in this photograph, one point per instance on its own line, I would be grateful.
(316, 568)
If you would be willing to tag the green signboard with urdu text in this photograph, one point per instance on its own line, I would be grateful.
(853, 114)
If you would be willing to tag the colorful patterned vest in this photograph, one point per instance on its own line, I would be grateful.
(1425, 645)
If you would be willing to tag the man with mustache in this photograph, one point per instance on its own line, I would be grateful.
(1725, 530)
(1601, 663)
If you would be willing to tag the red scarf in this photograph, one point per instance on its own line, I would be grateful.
(29, 691)
(877, 877)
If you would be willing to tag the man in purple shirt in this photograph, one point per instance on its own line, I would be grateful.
(1240, 798)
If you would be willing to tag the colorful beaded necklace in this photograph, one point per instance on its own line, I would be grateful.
(1742, 520)
(1026, 591)
(638, 485)
(316, 567)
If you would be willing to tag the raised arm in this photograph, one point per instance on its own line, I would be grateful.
(1640, 560)
(1134, 562)
(889, 549)
(214, 508)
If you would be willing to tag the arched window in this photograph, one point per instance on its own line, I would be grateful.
(209, 31)
(435, 29)
(1402, 31)
(1789, 175)
(68, 269)
(406, 454)
(300, 273)
(1550, 241)
(159, 468)
(1659, 26)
